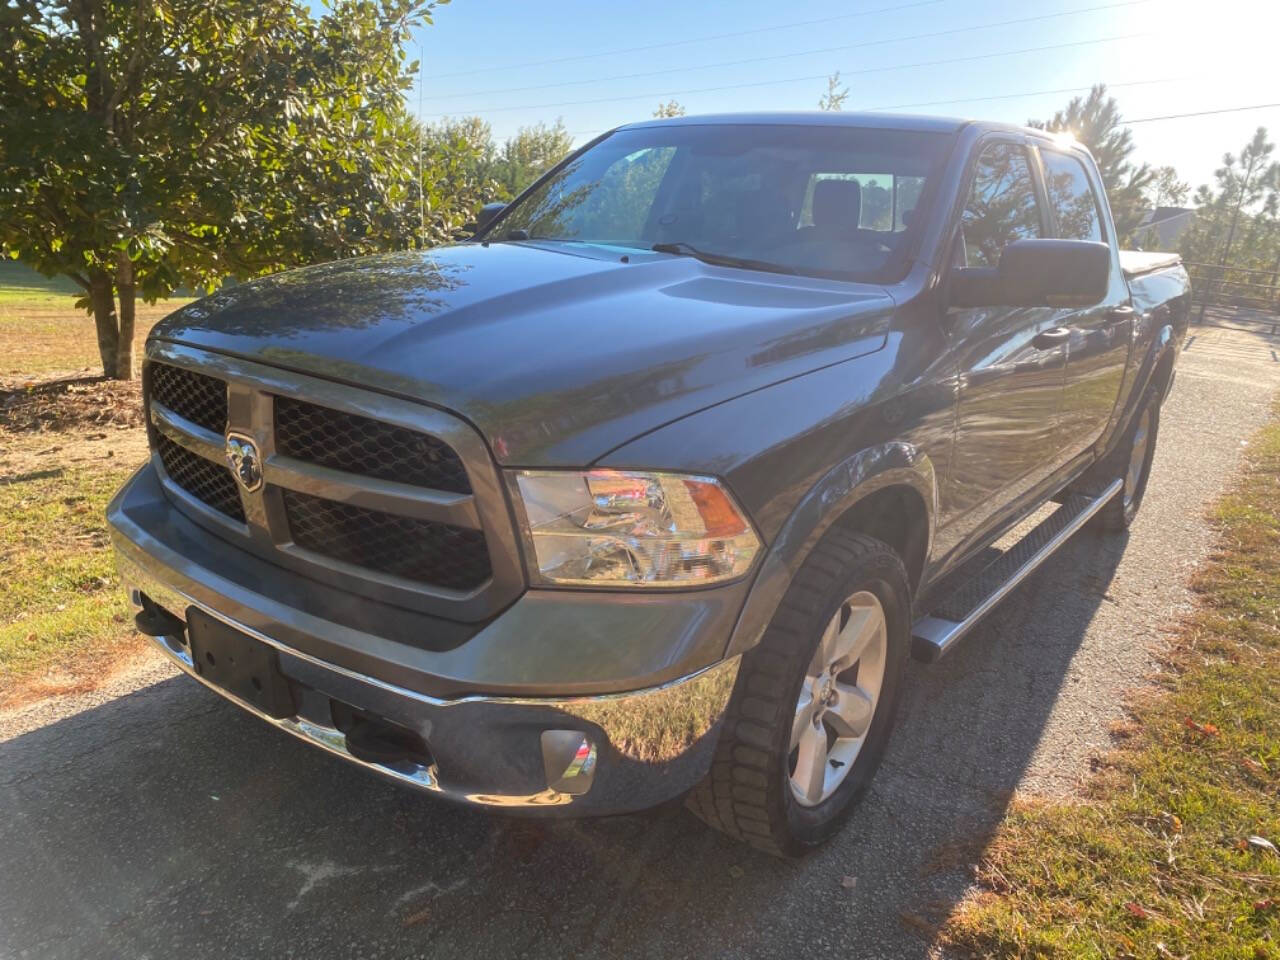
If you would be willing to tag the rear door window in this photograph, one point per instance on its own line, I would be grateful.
(1071, 198)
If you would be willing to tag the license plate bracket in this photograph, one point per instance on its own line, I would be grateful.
(238, 663)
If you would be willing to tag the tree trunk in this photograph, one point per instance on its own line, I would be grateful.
(102, 299)
(127, 293)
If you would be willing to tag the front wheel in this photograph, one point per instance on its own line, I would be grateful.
(813, 707)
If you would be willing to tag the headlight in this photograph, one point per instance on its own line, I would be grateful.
(614, 528)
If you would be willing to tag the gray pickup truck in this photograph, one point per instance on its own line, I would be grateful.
(650, 489)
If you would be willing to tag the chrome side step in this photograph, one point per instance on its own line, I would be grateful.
(935, 634)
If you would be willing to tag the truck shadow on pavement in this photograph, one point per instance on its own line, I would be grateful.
(168, 823)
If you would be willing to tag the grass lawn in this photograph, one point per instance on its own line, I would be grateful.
(63, 615)
(65, 448)
(1172, 853)
(41, 331)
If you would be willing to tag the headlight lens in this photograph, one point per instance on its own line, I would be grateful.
(615, 528)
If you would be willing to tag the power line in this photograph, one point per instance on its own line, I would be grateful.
(821, 76)
(799, 53)
(1204, 113)
(680, 43)
(1016, 96)
(986, 99)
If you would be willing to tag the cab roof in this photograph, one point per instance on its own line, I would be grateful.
(838, 118)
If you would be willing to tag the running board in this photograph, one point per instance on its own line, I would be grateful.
(935, 634)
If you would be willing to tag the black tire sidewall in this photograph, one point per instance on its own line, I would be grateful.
(881, 575)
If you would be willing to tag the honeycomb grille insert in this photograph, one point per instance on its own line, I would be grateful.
(370, 448)
(201, 399)
(209, 482)
(432, 553)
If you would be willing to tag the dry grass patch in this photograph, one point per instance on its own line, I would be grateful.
(1172, 853)
(67, 443)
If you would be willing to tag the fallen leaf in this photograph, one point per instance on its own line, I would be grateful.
(31, 638)
(848, 882)
(1172, 821)
(1268, 904)
(422, 916)
(1208, 729)
(1137, 910)
(1262, 843)
(1254, 766)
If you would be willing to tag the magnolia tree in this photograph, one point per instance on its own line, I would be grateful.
(151, 145)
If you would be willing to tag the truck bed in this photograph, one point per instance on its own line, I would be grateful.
(1135, 263)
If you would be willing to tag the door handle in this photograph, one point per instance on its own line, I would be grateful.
(1051, 337)
(1119, 315)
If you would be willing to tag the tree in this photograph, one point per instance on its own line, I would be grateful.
(1166, 189)
(1241, 217)
(835, 96)
(458, 170)
(530, 153)
(146, 146)
(1095, 121)
(672, 108)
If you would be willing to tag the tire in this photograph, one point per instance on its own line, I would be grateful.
(1131, 461)
(749, 792)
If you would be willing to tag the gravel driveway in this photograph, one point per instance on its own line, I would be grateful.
(166, 823)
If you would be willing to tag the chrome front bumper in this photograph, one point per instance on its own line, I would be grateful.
(570, 755)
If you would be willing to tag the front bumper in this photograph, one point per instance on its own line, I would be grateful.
(541, 749)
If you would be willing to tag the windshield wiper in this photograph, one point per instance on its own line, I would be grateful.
(682, 249)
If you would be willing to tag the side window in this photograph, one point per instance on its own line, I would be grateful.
(1002, 205)
(1071, 197)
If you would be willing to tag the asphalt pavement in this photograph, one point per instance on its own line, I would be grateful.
(152, 819)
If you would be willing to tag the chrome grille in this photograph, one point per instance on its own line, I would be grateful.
(364, 492)
(208, 482)
(420, 550)
(199, 398)
(371, 448)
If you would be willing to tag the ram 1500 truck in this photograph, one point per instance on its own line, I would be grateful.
(650, 489)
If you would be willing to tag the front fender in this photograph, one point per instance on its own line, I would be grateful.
(896, 463)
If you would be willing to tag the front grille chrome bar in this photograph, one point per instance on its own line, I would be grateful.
(186, 433)
(457, 509)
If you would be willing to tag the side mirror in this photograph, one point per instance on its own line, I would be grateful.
(1036, 273)
(488, 213)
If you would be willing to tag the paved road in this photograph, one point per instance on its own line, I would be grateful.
(165, 823)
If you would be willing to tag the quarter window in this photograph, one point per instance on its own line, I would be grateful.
(1071, 197)
(1001, 208)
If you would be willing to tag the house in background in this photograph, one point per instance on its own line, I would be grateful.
(1162, 227)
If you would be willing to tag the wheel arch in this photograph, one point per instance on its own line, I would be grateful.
(888, 491)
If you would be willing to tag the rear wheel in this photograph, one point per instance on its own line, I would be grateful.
(1132, 461)
(814, 703)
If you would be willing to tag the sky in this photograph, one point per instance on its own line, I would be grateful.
(596, 65)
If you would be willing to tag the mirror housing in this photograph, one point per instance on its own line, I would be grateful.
(488, 213)
(1036, 273)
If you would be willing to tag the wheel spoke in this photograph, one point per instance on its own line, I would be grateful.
(811, 763)
(864, 626)
(804, 714)
(850, 714)
(828, 646)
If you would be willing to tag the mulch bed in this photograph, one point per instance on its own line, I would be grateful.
(69, 403)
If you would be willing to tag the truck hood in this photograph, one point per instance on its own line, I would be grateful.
(556, 353)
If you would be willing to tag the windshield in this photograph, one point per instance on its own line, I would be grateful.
(820, 200)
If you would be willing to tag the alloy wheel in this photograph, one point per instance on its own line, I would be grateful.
(838, 698)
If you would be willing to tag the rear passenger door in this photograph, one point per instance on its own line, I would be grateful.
(1098, 336)
(1010, 375)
